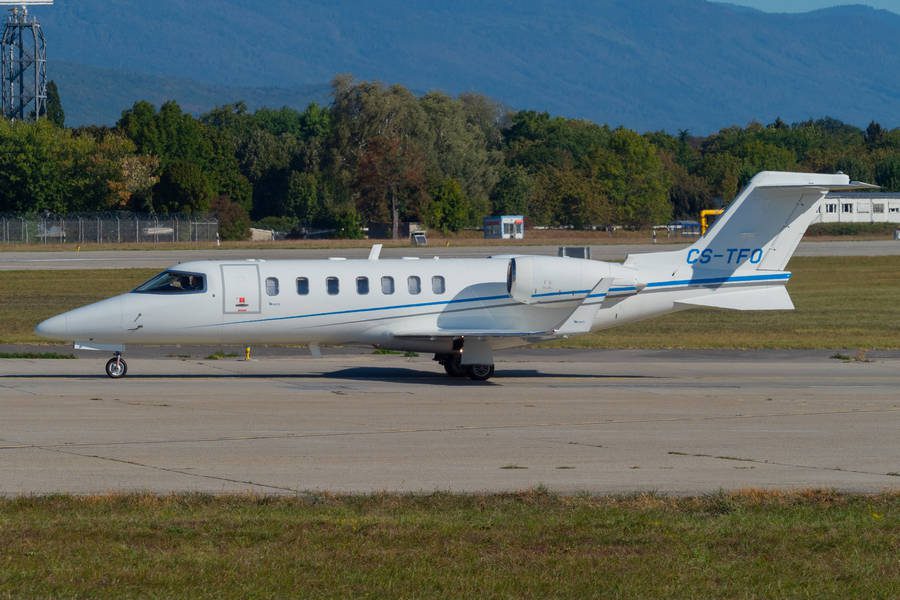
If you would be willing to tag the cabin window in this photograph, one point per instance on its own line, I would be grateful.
(831, 208)
(333, 286)
(437, 284)
(362, 285)
(877, 208)
(271, 286)
(415, 284)
(174, 282)
(387, 285)
(303, 286)
(847, 207)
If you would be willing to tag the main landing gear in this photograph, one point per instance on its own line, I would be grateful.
(453, 366)
(116, 367)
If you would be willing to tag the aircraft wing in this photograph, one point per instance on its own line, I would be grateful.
(578, 321)
(439, 334)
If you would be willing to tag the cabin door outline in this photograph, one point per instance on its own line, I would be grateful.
(240, 289)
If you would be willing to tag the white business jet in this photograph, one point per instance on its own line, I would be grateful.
(460, 309)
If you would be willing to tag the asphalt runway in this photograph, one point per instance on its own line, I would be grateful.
(160, 259)
(605, 422)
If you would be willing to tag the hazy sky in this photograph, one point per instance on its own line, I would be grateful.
(805, 5)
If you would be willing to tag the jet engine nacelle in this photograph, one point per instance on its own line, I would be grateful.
(541, 279)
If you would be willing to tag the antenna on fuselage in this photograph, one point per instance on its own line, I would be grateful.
(24, 63)
(375, 252)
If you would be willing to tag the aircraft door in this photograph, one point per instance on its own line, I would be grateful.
(240, 288)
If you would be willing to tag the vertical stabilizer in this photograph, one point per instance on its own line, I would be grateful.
(759, 231)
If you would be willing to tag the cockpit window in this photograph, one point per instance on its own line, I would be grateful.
(174, 282)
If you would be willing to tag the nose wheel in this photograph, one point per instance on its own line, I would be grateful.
(116, 367)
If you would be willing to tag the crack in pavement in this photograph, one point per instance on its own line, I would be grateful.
(584, 444)
(457, 428)
(762, 461)
(17, 389)
(173, 470)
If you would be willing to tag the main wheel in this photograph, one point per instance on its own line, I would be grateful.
(453, 366)
(116, 367)
(480, 372)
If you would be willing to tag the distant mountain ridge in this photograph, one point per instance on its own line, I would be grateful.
(652, 64)
(94, 95)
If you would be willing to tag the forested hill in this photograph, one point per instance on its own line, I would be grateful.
(648, 64)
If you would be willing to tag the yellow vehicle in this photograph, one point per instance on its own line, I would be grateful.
(705, 221)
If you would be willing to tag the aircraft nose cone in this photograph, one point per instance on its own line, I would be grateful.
(54, 328)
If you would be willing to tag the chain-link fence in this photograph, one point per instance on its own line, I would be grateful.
(107, 229)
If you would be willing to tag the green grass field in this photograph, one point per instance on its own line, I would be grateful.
(842, 303)
(529, 545)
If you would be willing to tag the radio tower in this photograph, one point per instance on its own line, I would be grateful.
(24, 69)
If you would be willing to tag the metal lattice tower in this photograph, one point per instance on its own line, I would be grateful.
(24, 63)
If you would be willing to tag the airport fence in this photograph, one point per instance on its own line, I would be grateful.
(107, 228)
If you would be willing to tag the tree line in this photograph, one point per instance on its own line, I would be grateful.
(381, 154)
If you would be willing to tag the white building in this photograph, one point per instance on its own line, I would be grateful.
(505, 227)
(839, 207)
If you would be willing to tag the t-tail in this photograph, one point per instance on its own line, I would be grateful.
(740, 262)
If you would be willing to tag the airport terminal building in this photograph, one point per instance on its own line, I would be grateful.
(845, 207)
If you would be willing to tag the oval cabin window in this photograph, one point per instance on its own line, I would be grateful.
(387, 285)
(333, 286)
(415, 284)
(438, 286)
(271, 286)
(362, 285)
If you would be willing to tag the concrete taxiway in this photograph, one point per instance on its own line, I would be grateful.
(607, 422)
(160, 259)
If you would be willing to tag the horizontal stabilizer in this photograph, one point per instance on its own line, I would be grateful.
(768, 298)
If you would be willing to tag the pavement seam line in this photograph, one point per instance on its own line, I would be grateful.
(761, 461)
(435, 430)
(171, 470)
(17, 389)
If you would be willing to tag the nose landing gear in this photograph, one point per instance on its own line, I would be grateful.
(116, 367)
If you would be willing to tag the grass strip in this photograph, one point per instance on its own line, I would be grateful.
(221, 355)
(37, 355)
(753, 544)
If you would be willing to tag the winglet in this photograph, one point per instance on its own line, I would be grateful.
(375, 252)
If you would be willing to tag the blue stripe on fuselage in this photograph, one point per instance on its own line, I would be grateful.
(363, 310)
(656, 284)
(569, 293)
(716, 280)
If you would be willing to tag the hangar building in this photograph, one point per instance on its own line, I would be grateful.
(859, 208)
